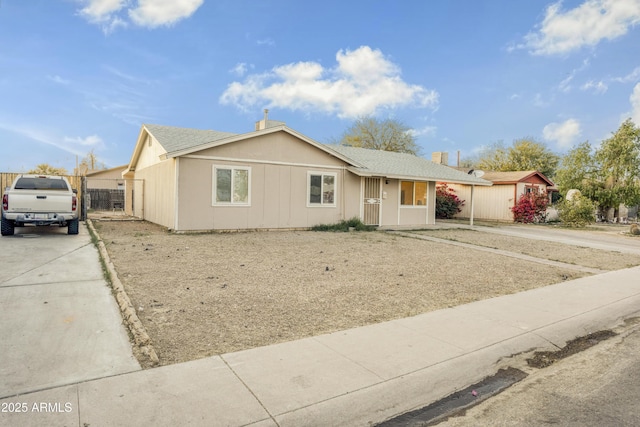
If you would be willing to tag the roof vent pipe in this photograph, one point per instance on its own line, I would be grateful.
(266, 115)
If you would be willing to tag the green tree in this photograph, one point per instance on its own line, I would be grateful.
(47, 169)
(618, 159)
(577, 212)
(578, 170)
(387, 135)
(524, 154)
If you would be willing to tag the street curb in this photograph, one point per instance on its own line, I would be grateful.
(141, 339)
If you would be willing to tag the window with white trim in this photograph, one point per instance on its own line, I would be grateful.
(321, 189)
(231, 185)
(413, 193)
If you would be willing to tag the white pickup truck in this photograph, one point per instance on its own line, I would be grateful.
(39, 200)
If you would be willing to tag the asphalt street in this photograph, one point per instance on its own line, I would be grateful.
(597, 387)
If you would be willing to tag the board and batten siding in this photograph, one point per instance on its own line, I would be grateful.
(279, 166)
(157, 200)
(490, 203)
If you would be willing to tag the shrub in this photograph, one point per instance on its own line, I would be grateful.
(577, 212)
(530, 207)
(344, 225)
(447, 202)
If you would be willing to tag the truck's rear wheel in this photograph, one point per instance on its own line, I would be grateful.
(7, 227)
(73, 227)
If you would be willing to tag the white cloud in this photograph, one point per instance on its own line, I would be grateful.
(597, 87)
(89, 141)
(266, 42)
(101, 10)
(155, 13)
(585, 25)
(240, 69)
(362, 83)
(633, 76)
(635, 105)
(427, 131)
(563, 133)
(76, 146)
(59, 80)
(112, 14)
(540, 102)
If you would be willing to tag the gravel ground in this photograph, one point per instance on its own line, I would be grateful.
(204, 294)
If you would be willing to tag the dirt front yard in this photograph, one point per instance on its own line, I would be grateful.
(204, 294)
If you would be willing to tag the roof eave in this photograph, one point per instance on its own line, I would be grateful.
(367, 174)
(131, 167)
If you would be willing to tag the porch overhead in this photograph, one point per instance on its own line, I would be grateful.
(394, 165)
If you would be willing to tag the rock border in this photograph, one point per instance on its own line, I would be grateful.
(143, 346)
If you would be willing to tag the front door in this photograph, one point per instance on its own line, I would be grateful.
(372, 199)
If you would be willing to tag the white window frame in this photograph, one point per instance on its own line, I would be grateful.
(214, 201)
(413, 195)
(322, 204)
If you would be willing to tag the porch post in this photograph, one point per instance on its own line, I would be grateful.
(471, 216)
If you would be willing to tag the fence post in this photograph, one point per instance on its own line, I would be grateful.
(83, 181)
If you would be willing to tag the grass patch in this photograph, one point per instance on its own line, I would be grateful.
(345, 225)
(95, 239)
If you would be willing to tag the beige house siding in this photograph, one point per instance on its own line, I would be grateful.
(279, 166)
(274, 148)
(390, 198)
(394, 214)
(490, 203)
(106, 179)
(150, 153)
(158, 200)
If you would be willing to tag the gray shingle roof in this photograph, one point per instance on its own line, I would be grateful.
(374, 162)
(402, 165)
(176, 139)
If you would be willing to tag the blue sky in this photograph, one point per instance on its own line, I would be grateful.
(81, 75)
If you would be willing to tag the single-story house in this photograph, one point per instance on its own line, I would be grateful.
(495, 202)
(275, 177)
(107, 178)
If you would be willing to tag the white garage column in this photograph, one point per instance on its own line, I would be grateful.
(471, 213)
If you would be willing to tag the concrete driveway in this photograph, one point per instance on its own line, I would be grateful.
(608, 239)
(59, 323)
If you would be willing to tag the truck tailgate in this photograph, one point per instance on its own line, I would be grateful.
(42, 202)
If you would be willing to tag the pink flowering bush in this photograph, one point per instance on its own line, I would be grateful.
(530, 207)
(447, 202)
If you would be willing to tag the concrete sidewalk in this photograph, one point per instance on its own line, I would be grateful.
(348, 378)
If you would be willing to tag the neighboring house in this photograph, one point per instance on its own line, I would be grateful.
(106, 189)
(276, 178)
(495, 202)
(107, 178)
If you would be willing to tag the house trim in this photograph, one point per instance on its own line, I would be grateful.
(264, 162)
